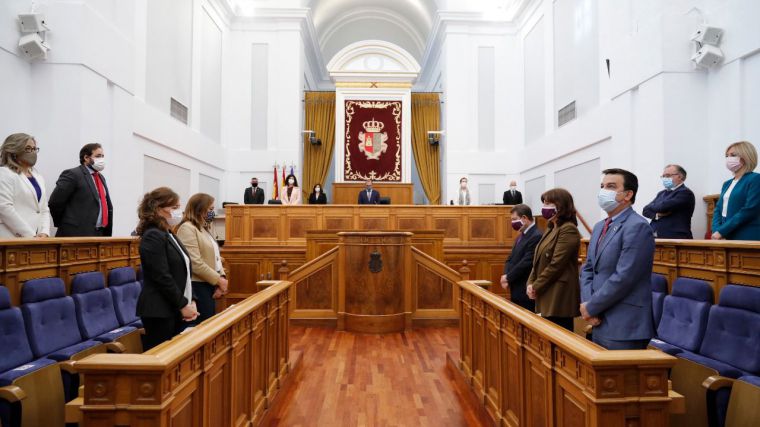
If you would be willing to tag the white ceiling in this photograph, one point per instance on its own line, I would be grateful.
(405, 23)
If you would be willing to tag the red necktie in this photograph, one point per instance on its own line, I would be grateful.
(103, 203)
(604, 232)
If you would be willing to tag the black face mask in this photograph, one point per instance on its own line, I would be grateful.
(254, 184)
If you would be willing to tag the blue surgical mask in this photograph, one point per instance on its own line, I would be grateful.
(606, 199)
(210, 215)
(667, 183)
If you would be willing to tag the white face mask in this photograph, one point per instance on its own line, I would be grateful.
(317, 190)
(290, 181)
(99, 163)
(606, 199)
(513, 187)
(176, 217)
(733, 163)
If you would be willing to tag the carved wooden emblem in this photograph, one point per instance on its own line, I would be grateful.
(375, 262)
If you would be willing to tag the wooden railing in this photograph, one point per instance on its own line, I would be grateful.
(26, 259)
(719, 262)
(527, 371)
(225, 372)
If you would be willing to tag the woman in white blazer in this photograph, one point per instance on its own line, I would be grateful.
(23, 200)
(291, 194)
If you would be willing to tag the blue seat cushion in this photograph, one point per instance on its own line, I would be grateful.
(37, 290)
(125, 298)
(693, 289)
(723, 369)
(95, 312)
(659, 283)
(120, 276)
(13, 340)
(137, 324)
(7, 377)
(743, 297)
(87, 282)
(67, 352)
(5, 298)
(114, 334)
(683, 322)
(752, 379)
(665, 347)
(733, 337)
(51, 325)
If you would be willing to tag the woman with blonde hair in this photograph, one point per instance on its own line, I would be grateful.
(737, 212)
(166, 299)
(209, 280)
(23, 200)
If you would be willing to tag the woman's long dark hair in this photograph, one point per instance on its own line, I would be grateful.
(563, 200)
(147, 211)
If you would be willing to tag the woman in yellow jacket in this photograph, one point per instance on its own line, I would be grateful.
(209, 280)
(554, 282)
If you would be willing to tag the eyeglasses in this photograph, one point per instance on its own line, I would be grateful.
(670, 175)
(32, 149)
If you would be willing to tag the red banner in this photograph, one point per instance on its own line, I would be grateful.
(373, 141)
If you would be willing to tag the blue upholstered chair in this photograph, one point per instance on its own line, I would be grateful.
(51, 325)
(730, 348)
(20, 371)
(96, 314)
(659, 291)
(684, 316)
(125, 290)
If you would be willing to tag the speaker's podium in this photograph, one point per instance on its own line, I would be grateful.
(375, 281)
(347, 193)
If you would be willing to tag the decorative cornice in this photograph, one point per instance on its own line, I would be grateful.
(337, 67)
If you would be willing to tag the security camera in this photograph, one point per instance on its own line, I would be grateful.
(434, 137)
(707, 35)
(33, 46)
(32, 23)
(707, 56)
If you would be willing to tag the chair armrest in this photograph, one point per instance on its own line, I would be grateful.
(12, 393)
(116, 347)
(717, 382)
(68, 366)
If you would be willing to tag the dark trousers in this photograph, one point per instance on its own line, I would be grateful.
(158, 330)
(527, 304)
(621, 345)
(565, 322)
(203, 293)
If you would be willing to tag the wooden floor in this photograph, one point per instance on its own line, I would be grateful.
(351, 379)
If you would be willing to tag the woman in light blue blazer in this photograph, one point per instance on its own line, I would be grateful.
(737, 212)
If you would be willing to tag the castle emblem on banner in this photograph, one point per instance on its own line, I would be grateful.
(372, 142)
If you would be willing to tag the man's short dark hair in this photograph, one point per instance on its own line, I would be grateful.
(255, 178)
(681, 171)
(87, 150)
(522, 210)
(630, 181)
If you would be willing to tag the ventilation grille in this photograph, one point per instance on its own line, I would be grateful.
(566, 114)
(179, 111)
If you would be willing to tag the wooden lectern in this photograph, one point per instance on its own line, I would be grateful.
(375, 281)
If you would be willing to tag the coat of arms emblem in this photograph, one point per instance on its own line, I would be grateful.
(372, 143)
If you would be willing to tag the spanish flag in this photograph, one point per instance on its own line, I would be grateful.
(276, 191)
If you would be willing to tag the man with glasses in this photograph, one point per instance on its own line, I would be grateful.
(81, 203)
(672, 209)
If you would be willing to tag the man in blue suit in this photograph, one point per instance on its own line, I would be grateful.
(672, 209)
(616, 296)
(368, 196)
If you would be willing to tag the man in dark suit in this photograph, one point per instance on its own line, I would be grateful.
(254, 195)
(368, 196)
(512, 196)
(616, 295)
(518, 265)
(81, 203)
(672, 208)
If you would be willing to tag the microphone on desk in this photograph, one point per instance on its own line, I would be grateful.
(451, 202)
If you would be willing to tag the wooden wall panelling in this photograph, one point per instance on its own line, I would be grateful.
(347, 193)
(527, 371)
(223, 372)
(26, 259)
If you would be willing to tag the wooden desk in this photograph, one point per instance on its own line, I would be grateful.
(347, 193)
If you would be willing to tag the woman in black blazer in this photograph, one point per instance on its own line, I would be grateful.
(317, 196)
(166, 299)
